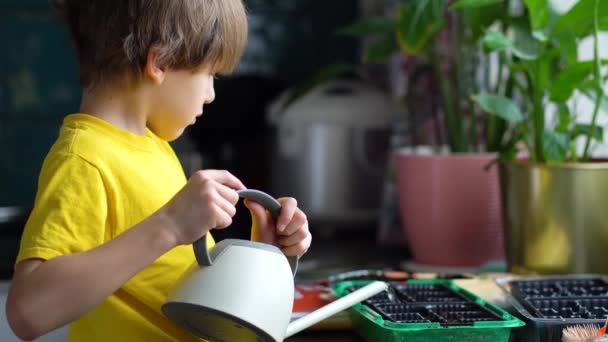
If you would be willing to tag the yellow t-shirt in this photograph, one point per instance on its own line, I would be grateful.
(96, 182)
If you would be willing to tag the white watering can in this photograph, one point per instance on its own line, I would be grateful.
(243, 291)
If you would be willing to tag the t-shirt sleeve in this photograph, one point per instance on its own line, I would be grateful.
(70, 210)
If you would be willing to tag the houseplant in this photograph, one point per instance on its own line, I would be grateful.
(553, 198)
(449, 203)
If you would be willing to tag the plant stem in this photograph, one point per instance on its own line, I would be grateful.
(539, 125)
(463, 82)
(492, 121)
(538, 120)
(473, 123)
(573, 153)
(599, 91)
(453, 126)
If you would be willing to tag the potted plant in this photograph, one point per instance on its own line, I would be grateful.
(449, 203)
(553, 195)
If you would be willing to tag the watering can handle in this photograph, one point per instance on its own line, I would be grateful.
(270, 203)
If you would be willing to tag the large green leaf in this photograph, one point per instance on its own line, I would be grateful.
(480, 19)
(500, 106)
(418, 22)
(496, 41)
(381, 49)
(523, 37)
(566, 40)
(538, 11)
(474, 3)
(583, 129)
(579, 19)
(577, 76)
(568, 80)
(556, 146)
(370, 26)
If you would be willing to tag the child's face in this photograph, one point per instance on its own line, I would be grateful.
(178, 101)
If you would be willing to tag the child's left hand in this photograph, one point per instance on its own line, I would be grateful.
(290, 233)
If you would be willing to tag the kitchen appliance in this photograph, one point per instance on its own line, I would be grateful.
(243, 290)
(331, 151)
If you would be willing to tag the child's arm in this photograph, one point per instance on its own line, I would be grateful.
(45, 295)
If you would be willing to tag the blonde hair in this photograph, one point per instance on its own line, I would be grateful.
(113, 37)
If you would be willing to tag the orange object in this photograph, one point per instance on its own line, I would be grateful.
(602, 330)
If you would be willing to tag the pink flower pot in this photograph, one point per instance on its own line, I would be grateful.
(450, 208)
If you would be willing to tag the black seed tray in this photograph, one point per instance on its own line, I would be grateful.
(571, 308)
(423, 293)
(585, 298)
(558, 288)
(451, 314)
(550, 305)
(416, 293)
(428, 303)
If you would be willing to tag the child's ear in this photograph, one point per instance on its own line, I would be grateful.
(153, 70)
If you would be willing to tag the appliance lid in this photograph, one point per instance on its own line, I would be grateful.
(343, 102)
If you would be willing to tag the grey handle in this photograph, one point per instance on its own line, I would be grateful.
(270, 203)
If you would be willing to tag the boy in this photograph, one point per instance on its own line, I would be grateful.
(114, 215)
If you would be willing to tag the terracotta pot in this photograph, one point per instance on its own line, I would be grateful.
(450, 208)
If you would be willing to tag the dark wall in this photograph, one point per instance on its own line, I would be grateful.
(290, 40)
(38, 85)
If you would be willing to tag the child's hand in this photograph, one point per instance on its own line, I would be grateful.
(290, 233)
(206, 202)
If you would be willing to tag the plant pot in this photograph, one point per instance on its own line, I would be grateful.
(450, 208)
(555, 217)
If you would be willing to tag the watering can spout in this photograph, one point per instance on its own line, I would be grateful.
(336, 306)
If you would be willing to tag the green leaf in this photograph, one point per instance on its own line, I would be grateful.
(540, 36)
(418, 22)
(568, 45)
(496, 41)
(466, 4)
(523, 37)
(603, 23)
(479, 19)
(583, 130)
(370, 26)
(538, 11)
(500, 106)
(556, 146)
(381, 49)
(579, 19)
(568, 80)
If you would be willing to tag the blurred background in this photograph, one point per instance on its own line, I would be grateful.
(290, 41)
(363, 110)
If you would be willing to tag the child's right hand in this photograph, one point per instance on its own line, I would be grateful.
(206, 202)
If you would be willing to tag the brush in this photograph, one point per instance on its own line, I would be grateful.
(602, 330)
(585, 332)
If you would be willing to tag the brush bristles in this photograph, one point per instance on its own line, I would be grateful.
(580, 332)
